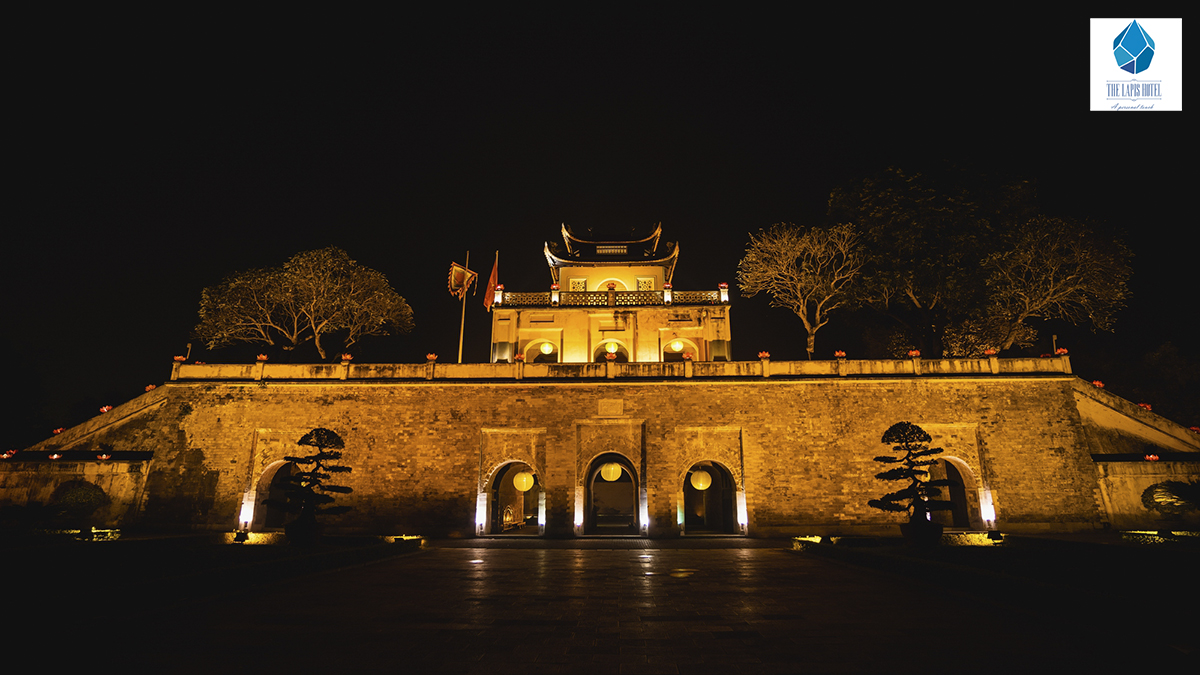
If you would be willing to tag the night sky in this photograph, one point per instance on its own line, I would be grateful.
(150, 163)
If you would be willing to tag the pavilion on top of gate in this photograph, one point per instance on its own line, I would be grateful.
(611, 299)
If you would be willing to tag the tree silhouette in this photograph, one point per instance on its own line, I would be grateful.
(308, 495)
(314, 294)
(917, 498)
(1055, 269)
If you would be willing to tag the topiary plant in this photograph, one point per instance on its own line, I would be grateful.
(76, 501)
(307, 492)
(918, 498)
(1172, 497)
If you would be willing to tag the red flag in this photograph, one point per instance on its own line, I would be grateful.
(491, 289)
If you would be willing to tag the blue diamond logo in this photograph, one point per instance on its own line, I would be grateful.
(1133, 48)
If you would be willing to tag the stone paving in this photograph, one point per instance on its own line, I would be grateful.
(631, 606)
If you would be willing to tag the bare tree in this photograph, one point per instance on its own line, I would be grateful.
(248, 306)
(1055, 269)
(806, 271)
(373, 307)
(315, 293)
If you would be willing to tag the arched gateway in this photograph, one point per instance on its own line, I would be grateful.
(611, 496)
(269, 494)
(963, 494)
(709, 500)
(516, 501)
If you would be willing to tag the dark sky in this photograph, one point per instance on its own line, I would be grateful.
(151, 159)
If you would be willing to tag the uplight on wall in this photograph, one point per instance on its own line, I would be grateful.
(480, 512)
(742, 513)
(247, 513)
(987, 510)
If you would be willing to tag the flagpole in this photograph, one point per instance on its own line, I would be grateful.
(463, 323)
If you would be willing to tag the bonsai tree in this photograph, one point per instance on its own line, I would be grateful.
(308, 493)
(917, 498)
(1172, 498)
(75, 503)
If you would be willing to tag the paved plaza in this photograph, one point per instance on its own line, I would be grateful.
(627, 606)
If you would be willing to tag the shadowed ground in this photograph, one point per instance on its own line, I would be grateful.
(625, 606)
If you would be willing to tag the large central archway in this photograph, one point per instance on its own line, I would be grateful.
(611, 496)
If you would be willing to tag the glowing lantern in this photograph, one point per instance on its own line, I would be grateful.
(701, 480)
(610, 471)
(610, 347)
(547, 348)
(523, 481)
(677, 346)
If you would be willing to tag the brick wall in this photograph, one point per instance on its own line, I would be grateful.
(799, 450)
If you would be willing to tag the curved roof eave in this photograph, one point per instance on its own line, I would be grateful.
(569, 238)
(667, 262)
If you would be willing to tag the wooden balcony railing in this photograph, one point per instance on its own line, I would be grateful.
(609, 298)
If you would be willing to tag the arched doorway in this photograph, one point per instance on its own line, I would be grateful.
(620, 355)
(269, 514)
(611, 496)
(516, 501)
(542, 351)
(963, 494)
(675, 348)
(709, 500)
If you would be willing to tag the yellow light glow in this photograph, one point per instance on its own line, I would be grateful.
(547, 348)
(988, 512)
(701, 480)
(247, 513)
(677, 346)
(610, 471)
(610, 347)
(523, 481)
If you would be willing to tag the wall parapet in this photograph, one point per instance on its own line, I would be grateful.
(654, 370)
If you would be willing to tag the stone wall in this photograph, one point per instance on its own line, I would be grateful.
(799, 450)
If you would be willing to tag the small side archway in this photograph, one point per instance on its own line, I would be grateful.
(515, 501)
(966, 513)
(708, 500)
(271, 491)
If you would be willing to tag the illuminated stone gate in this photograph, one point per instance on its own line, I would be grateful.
(667, 438)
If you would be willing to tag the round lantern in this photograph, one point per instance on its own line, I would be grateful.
(523, 481)
(610, 347)
(547, 348)
(701, 480)
(677, 346)
(610, 471)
